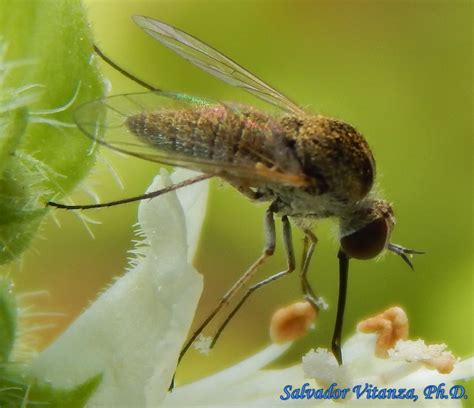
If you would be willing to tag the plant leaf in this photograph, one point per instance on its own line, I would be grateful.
(46, 58)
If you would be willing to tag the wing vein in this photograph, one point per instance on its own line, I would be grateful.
(213, 62)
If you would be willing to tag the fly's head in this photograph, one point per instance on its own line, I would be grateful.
(365, 233)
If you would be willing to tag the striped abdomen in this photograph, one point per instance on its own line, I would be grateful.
(214, 133)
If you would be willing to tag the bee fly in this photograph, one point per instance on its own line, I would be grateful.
(306, 166)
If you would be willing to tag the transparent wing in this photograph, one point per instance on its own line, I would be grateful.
(213, 62)
(107, 121)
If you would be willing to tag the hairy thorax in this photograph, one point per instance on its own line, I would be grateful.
(336, 156)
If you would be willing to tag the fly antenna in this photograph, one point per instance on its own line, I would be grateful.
(99, 52)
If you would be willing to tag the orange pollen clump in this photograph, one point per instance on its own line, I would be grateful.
(291, 322)
(391, 326)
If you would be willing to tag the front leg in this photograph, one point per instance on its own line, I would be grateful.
(310, 241)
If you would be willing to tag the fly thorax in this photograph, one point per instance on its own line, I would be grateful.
(365, 231)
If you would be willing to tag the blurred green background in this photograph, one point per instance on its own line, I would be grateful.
(398, 71)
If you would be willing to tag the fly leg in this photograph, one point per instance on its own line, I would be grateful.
(145, 196)
(317, 303)
(266, 253)
(290, 257)
(310, 241)
(99, 52)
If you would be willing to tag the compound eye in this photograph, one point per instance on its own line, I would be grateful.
(367, 242)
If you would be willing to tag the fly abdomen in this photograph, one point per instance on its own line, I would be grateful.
(214, 133)
(171, 130)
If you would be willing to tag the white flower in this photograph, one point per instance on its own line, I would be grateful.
(132, 334)
(247, 384)
(134, 331)
(409, 364)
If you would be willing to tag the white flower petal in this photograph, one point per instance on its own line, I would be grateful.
(359, 346)
(321, 365)
(133, 332)
(193, 200)
(462, 371)
(239, 385)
